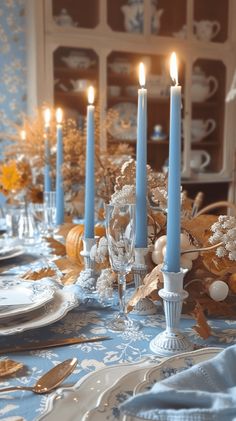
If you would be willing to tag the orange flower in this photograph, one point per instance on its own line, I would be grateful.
(9, 177)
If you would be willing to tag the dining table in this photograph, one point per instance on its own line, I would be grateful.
(88, 318)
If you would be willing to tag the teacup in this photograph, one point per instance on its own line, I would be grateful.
(199, 160)
(206, 30)
(80, 85)
(201, 129)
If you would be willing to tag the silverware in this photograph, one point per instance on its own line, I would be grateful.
(49, 380)
(51, 343)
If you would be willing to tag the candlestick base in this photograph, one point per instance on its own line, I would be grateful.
(88, 277)
(172, 341)
(145, 306)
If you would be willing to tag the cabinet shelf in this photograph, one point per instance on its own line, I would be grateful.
(71, 72)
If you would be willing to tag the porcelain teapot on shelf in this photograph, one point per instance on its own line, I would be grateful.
(133, 14)
(78, 60)
(203, 87)
(206, 30)
(64, 19)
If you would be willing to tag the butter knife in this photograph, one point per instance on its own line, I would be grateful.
(52, 343)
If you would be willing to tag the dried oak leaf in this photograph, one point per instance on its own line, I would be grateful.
(202, 327)
(218, 265)
(199, 227)
(232, 282)
(8, 367)
(151, 284)
(57, 247)
(70, 271)
(217, 308)
(40, 274)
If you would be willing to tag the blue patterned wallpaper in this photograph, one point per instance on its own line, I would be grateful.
(12, 63)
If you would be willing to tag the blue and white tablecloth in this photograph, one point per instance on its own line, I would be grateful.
(89, 319)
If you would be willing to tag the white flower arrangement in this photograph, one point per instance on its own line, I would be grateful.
(224, 234)
(124, 196)
(105, 284)
(99, 251)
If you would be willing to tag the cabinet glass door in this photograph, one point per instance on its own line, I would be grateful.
(75, 69)
(122, 89)
(208, 108)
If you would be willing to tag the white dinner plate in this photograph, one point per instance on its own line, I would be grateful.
(97, 397)
(72, 403)
(11, 253)
(20, 297)
(62, 302)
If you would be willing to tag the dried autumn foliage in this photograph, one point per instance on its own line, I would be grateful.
(70, 271)
(58, 248)
(9, 367)
(152, 282)
(39, 274)
(199, 227)
(202, 327)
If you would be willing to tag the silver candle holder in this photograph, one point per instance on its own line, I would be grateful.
(172, 341)
(87, 278)
(145, 306)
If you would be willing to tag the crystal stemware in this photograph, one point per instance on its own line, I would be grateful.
(120, 231)
(50, 211)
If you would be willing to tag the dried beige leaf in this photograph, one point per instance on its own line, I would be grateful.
(8, 367)
(58, 248)
(202, 327)
(151, 284)
(40, 274)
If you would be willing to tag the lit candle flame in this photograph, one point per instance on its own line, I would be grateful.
(47, 117)
(23, 135)
(142, 78)
(174, 68)
(59, 115)
(90, 95)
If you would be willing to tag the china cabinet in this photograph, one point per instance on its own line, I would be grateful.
(101, 42)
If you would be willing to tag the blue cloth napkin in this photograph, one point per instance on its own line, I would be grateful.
(204, 392)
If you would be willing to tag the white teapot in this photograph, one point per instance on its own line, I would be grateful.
(206, 30)
(199, 160)
(201, 128)
(133, 13)
(203, 87)
(78, 60)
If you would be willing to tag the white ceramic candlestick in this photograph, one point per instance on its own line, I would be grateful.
(87, 277)
(145, 306)
(172, 341)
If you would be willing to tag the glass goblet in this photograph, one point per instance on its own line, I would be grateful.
(120, 231)
(50, 212)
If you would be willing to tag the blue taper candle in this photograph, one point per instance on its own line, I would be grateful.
(47, 168)
(89, 174)
(141, 164)
(172, 256)
(59, 177)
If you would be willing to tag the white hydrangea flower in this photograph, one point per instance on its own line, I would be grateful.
(105, 284)
(99, 251)
(124, 196)
(224, 231)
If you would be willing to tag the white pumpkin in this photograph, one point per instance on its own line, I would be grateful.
(159, 251)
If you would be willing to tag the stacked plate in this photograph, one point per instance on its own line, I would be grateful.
(29, 305)
(97, 396)
(9, 252)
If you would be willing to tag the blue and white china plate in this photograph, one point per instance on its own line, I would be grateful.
(97, 397)
(20, 297)
(63, 301)
(123, 121)
(73, 402)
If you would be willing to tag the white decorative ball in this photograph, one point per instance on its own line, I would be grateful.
(218, 290)
(186, 263)
(160, 242)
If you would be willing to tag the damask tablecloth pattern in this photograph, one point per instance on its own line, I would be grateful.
(89, 319)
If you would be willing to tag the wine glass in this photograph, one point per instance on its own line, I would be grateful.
(120, 231)
(50, 211)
